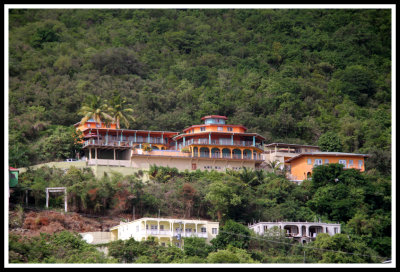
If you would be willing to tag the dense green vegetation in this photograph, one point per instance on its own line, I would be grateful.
(361, 202)
(290, 75)
(62, 247)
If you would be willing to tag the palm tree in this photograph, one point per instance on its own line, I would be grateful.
(274, 165)
(93, 108)
(118, 110)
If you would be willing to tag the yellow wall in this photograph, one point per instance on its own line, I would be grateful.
(299, 166)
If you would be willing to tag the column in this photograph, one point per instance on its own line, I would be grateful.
(184, 140)
(107, 137)
(209, 138)
(65, 200)
(158, 226)
(114, 153)
(47, 198)
(135, 136)
(231, 153)
(254, 140)
(90, 153)
(210, 151)
(121, 135)
(148, 138)
(95, 153)
(232, 139)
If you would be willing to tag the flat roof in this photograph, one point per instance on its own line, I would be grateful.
(283, 144)
(129, 130)
(219, 132)
(214, 116)
(335, 154)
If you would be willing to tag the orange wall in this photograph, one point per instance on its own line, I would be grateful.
(299, 166)
(215, 128)
(93, 125)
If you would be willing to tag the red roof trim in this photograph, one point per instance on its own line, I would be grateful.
(333, 154)
(215, 125)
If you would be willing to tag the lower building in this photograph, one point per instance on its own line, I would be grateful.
(301, 166)
(165, 230)
(301, 231)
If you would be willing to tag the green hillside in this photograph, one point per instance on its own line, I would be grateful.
(290, 75)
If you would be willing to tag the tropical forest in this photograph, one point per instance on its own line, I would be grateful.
(302, 76)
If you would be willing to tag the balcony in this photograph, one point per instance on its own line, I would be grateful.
(173, 233)
(222, 142)
(122, 144)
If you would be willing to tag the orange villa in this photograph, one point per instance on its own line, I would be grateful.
(213, 145)
(301, 166)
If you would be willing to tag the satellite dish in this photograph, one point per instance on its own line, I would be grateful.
(88, 238)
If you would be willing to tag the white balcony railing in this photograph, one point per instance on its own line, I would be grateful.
(173, 233)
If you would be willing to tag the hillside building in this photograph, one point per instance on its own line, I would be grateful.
(165, 230)
(300, 167)
(300, 231)
(213, 145)
(282, 151)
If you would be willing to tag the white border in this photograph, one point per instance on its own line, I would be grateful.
(199, 6)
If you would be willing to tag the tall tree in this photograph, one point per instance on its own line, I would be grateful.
(119, 111)
(93, 108)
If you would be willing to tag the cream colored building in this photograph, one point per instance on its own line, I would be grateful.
(166, 231)
(281, 151)
(301, 231)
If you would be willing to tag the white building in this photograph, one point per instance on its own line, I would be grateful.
(302, 231)
(165, 230)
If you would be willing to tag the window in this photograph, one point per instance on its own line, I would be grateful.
(214, 231)
(326, 161)
(202, 129)
(220, 128)
(161, 227)
(154, 227)
(343, 162)
(317, 162)
(89, 125)
(335, 230)
(229, 129)
(309, 161)
(350, 163)
(360, 164)
(203, 230)
(98, 125)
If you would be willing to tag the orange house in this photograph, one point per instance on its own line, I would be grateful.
(218, 140)
(301, 166)
(211, 145)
